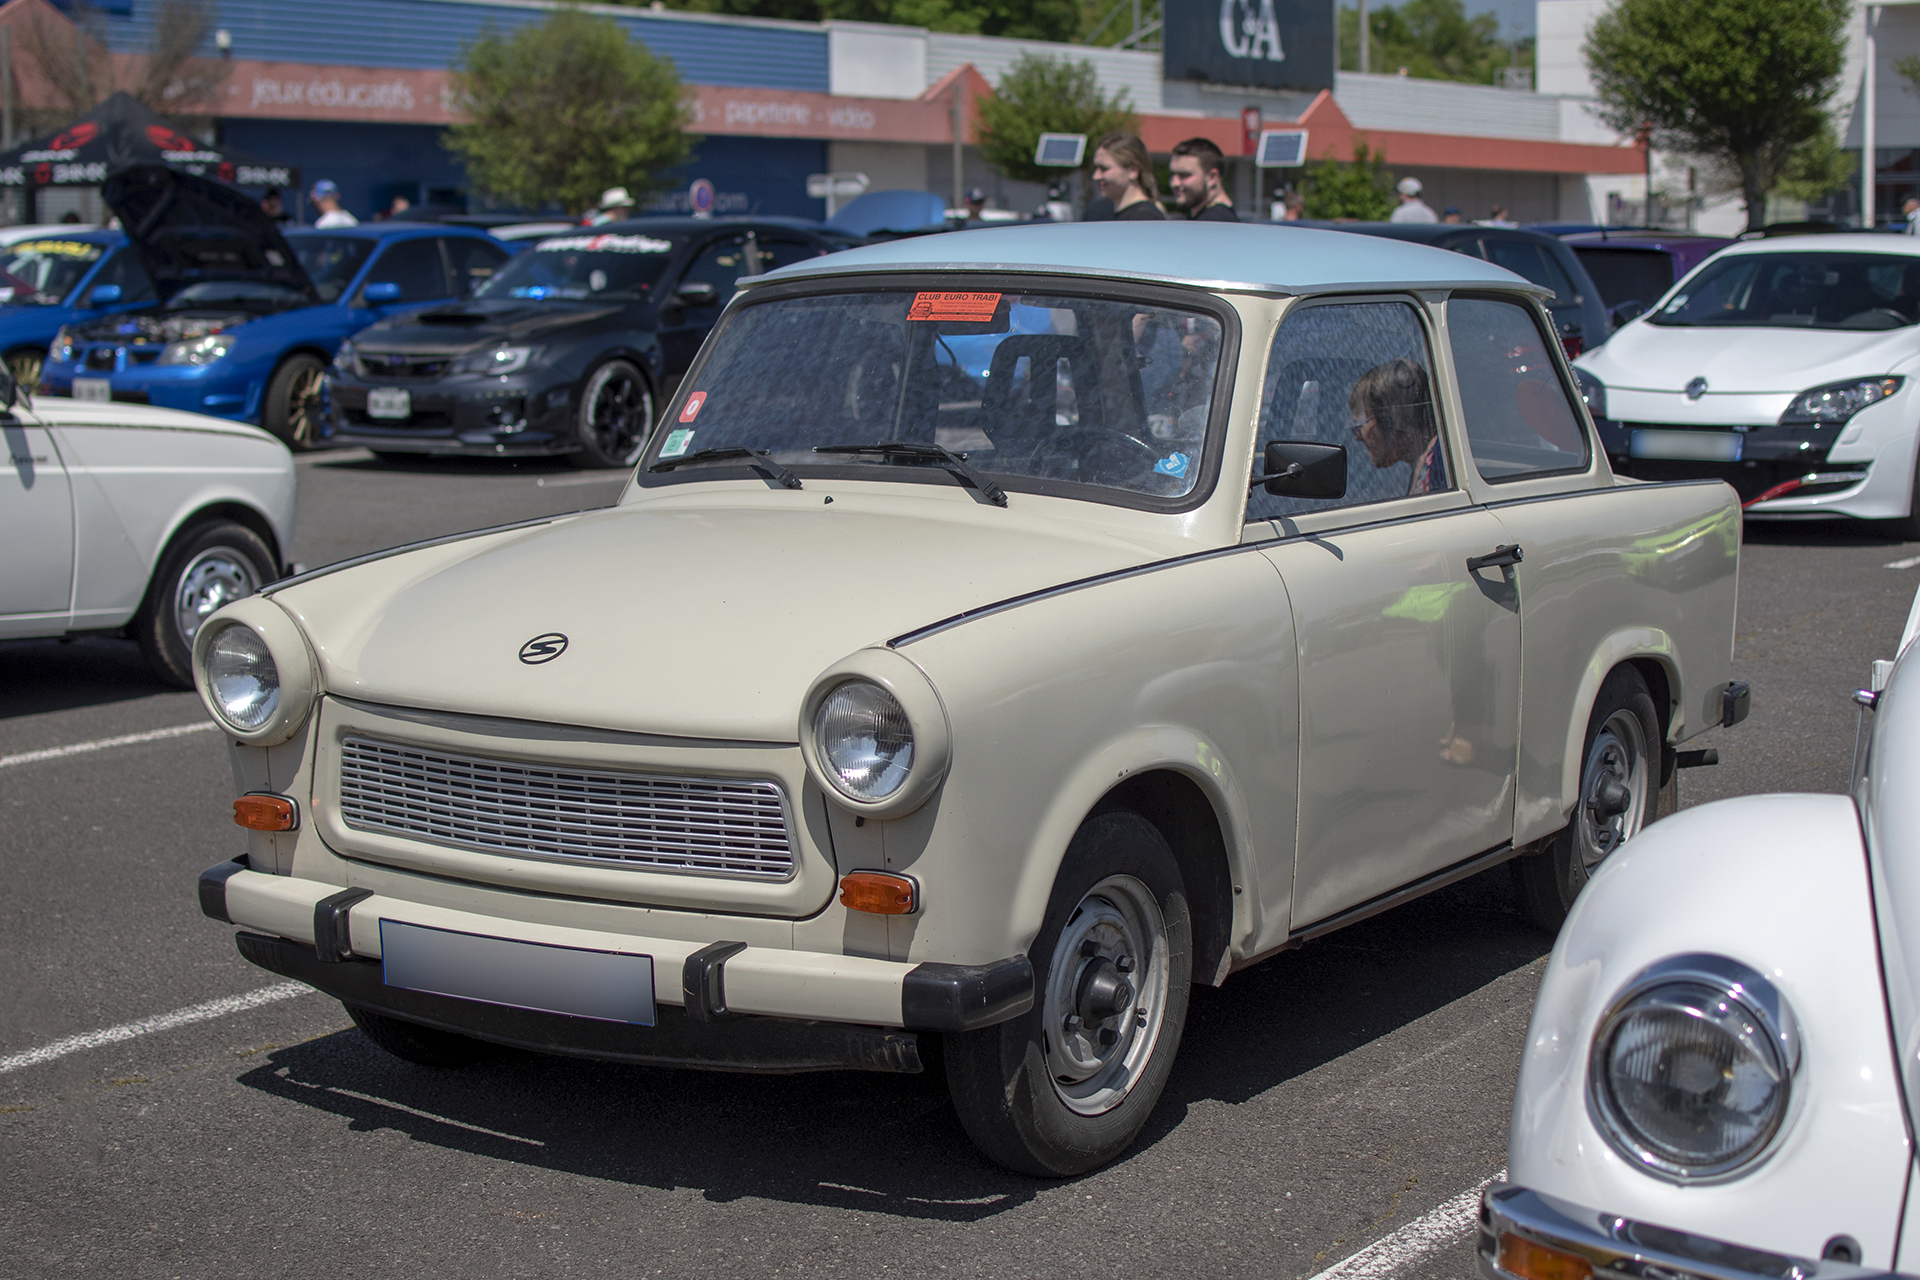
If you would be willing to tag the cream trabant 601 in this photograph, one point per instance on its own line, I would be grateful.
(1001, 631)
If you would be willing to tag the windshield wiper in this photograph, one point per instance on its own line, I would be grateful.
(763, 457)
(955, 463)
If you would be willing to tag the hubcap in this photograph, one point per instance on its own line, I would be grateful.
(213, 578)
(1106, 995)
(618, 415)
(1613, 788)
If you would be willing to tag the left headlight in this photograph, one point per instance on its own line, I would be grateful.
(213, 346)
(253, 671)
(498, 360)
(874, 734)
(865, 740)
(1834, 403)
(1691, 1072)
(61, 349)
(1592, 391)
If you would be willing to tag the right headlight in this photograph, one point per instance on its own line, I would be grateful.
(242, 678)
(1691, 1071)
(253, 671)
(874, 734)
(865, 740)
(1593, 391)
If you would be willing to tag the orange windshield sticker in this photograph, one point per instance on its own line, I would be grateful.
(975, 308)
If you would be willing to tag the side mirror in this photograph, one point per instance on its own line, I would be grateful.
(1304, 469)
(1629, 310)
(104, 295)
(384, 291)
(695, 293)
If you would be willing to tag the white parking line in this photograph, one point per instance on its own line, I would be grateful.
(149, 1026)
(101, 744)
(1435, 1229)
(1909, 563)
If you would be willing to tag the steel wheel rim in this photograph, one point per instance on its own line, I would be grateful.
(618, 415)
(213, 578)
(1117, 917)
(1618, 755)
(25, 369)
(303, 398)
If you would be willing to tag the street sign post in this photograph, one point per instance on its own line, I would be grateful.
(835, 187)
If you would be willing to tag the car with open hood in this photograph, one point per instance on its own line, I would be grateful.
(60, 276)
(566, 349)
(1722, 1075)
(1785, 367)
(901, 699)
(247, 318)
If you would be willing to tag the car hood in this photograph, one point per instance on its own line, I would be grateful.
(187, 229)
(477, 324)
(1646, 357)
(162, 326)
(702, 614)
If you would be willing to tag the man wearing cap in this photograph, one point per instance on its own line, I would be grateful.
(1197, 187)
(1412, 207)
(326, 198)
(615, 204)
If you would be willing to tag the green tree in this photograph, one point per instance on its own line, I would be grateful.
(1741, 83)
(1433, 40)
(562, 109)
(1021, 19)
(1046, 95)
(1361, 190)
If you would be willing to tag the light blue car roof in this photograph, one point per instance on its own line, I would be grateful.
(1243, 257)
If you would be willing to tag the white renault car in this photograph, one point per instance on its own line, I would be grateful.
(1785, 367)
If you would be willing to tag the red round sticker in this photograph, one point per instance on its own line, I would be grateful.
(692, 409)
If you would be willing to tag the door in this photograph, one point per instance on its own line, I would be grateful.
(1408, 660)
(36, 533)
(416, 267)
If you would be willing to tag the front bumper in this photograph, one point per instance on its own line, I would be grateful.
(528, 413)
(221, 390)
(1770, 455)
(719, 1004)
(1618, 1248)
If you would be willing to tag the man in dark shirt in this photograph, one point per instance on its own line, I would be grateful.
(1196, 168)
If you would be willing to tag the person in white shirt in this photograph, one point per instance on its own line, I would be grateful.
(1412, 207)
(326, 198)
(1910, 207)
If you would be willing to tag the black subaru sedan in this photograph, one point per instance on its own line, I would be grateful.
(566, 349)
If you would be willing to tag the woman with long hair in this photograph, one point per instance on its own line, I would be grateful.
(1124, 173)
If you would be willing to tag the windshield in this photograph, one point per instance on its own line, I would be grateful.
(331, 262)
(610, 268)
(1037, 387)
(1800, 291)
(43, 272)
(253, 295)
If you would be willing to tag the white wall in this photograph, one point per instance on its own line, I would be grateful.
(1561, 26)
(889, 166)
(1137, 73)
(868, 60)
(1439, 106)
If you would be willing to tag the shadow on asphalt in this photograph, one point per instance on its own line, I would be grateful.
(1823, 533)
(442, 465)
(51, 675)
(891, 1144)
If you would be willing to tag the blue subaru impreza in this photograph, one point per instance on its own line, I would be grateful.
(59, 277)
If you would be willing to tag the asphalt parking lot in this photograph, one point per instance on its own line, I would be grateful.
(168, 1110)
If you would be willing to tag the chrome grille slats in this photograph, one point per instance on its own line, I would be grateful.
(708, 826)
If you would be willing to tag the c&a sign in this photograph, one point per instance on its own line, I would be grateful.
(1266, 44)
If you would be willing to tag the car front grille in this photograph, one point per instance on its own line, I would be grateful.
(374, 366)
(706, 826)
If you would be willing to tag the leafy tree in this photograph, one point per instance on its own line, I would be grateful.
(1817, 168)
(565, 108)
(1741, 83)
(1046, 95)
(1362, 190)
(1022, 19)
(1432, 39)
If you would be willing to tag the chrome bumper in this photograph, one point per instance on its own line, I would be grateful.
(1621, 1248)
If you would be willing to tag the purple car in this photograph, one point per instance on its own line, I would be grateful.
(1633, 267)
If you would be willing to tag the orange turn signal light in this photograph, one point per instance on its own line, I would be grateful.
(265, 813)
(880, 893)
(1530, 1261)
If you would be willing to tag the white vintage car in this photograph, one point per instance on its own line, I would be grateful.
(1001, 632)
(127, 519)
(1721, 1075)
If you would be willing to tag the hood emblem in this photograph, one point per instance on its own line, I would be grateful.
(1696, 388)
(543, 648)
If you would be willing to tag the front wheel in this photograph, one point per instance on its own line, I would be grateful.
(205, 567)
(1620, 793)
(292, 409)
(616, 412)
(25, 364)
(1066, 1086)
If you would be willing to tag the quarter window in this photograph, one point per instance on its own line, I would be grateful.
(1520, 417)
(1358, 375)
(415, 266)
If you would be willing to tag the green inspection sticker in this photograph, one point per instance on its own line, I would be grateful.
(677, 442)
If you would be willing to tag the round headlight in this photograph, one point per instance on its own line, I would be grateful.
(865, 740)
(1692, 1069)
(242, 678)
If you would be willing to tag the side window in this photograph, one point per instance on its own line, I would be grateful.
(719, 264)
(1532, 262)
(775, 254)
(415, 266)
(472, 261)
(1520, 417)
(124, 269)
(1358, 375)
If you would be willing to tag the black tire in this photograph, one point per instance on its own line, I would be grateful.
(205, 566)
(1049, 1100)
(422, 1046)
(25, 364)
(1549, 881)
(292, 409)
(614, 417)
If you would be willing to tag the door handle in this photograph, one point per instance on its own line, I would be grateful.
(1498, 558)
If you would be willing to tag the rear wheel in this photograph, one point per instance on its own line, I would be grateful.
(206, 566)
(616, 412)
(292, 409)
(422, 1046)
(25, 364)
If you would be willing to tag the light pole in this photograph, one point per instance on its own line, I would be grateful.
(1868, 161)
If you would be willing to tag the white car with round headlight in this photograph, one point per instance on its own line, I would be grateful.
(1786, 367)
(1721, 1076)
(1002, 632)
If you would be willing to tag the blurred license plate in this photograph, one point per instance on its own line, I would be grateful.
(1689, 446)
(389, 402)
(608, 985)
(92, 389)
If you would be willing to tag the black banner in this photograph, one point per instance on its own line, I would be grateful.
(1265, 44)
